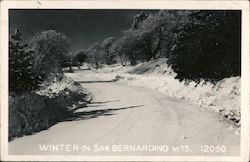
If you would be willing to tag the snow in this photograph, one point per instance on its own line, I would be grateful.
(33, 112)
(129, 115)
(223, 98)
(58, 87)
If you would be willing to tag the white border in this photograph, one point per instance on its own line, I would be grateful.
(124, 4)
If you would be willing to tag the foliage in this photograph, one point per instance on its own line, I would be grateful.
(127, 48)
(208, 46)
(50, 48)
(21, 76)
(81, 57)
(118, 49)
(98, 54)
(107, 43)
(198, 44)
(95, 56)
(151, 34)
(138, 19)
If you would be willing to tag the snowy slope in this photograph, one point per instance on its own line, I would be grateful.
(224, 97)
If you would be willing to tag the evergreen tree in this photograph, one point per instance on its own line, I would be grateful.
(21, 76)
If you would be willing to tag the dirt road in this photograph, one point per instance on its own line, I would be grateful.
(126, 120)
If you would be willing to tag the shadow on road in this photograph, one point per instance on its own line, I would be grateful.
(94, 104)
(102, 102)
(81, 69)
(97, 81)
(97, 113)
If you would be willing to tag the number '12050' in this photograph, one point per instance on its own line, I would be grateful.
(213, 148)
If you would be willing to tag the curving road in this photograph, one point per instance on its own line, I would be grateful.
(122, 118)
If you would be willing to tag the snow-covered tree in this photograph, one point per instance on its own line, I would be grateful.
(21, 59)
(106, 50)
(50, 48)
(151, 35)
(95, 55)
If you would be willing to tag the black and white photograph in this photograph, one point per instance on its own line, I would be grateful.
(119, 82)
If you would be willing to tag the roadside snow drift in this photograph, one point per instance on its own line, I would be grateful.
(223, 97)
(36, 111)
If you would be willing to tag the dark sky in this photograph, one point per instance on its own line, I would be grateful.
(83, 27)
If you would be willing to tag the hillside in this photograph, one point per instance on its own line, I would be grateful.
(222, 97)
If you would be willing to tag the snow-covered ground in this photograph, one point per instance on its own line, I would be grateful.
(42, 108)
(223, 98)
(121, 116)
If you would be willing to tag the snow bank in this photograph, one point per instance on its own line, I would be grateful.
(36, 111)
(224, 97)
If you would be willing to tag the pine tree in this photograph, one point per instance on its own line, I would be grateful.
(21, 77)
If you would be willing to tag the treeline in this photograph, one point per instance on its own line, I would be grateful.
(38, 61)
(197, 44)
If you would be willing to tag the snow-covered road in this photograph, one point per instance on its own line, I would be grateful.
(121, 117)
